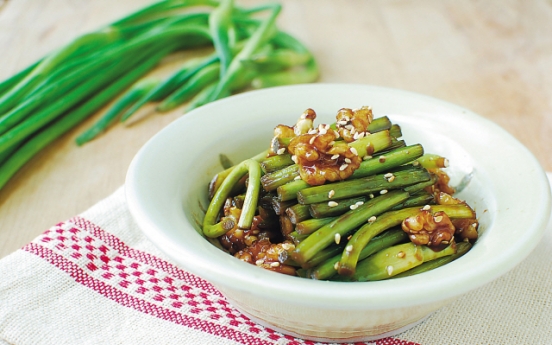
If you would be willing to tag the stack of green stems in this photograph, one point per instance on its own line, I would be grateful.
(240, 57)
(56, 93)
(339, 227)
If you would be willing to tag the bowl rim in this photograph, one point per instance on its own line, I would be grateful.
(374, 295)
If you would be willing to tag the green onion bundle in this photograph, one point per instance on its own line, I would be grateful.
(53, 95)
(367, 226)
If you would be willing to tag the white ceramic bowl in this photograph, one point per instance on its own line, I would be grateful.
(167, 181)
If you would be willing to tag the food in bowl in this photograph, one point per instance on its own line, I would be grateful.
(166, 195)
(347, 201)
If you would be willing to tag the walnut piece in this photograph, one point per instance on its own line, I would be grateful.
(321, 158)
(303, 125)
(466, 229)
(236, 239)
(322, 153)
(350, 123)
(267, 255)
(431, 229)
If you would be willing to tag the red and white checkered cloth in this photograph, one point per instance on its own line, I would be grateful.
(95, 279)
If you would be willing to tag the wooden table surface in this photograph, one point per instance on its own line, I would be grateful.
(493, 57)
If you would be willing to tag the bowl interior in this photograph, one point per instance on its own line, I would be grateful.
(167, 188)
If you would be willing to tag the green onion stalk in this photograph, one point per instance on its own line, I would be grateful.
(111, 65)
(212, 228)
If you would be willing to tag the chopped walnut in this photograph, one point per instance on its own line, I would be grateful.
(283, 131)
(305, 122)
(236, 239)
(303, 125)
(321, 158)
(442, 184)
(320, 153)
(351, 123)
(466, 229)
(430, 229)
(443, 180)
(269, 256)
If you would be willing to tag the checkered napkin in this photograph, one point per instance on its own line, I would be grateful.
(95, 279)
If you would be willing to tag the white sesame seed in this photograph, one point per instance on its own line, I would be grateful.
(367, 157)
(353, 207)
(361, 135)
(331, 193)
(259, 262)
(294, 159)
(388, 175)
(347, 160)
(336, 134)
(355, 136)
(343, 167)
(312, 131)
(474, 225)
(389, 270)
(337, 238)
(446, 163)
(297, 177)
(311, 141)
(354, 151)
(341, 122)
(372, 219)
(391, 179)
(336, 156)
(322, 130)
(438, 219)
(331, 143)
(371, 196)
(336, 266)
(275, 264)
(349, 248)
(281, 151)
(332, 204)
(353, 131)
(401, 254)
(359, 203)
(349, 127)
(426, 208)
(415, 163)
(383, 191)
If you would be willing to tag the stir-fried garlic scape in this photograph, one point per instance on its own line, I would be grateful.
(347, 201)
